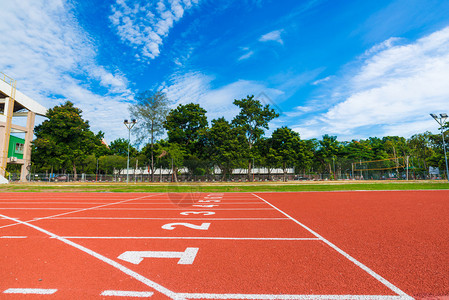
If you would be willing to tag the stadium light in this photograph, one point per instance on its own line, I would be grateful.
(129, 125)
(442, 120)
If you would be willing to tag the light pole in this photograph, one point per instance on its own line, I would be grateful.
(129, 125)
(442, 120)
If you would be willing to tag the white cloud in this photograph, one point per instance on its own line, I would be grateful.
(319, 81)
(382, 46)
(48, 54)
(188, 87)
(393, 91)
(197, 87)
(299, 111)
(272, 36)
(246, 55)
(144, 26)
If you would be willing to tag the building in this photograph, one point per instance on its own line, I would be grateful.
(16, 147)
(14, 105)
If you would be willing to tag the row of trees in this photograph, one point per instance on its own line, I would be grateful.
(65, 143)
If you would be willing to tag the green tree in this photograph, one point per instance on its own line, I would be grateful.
(183, 125)
(64, 139)
(287, 146)
(111, 163)
(120, 147)
(306, 155)
(224, 145)
(358, 150)
(253, 118)
(420, 148)
(151, 111)
(172, 156)
(268, 157)
(89, 164)
(328, 151)
(436, 142)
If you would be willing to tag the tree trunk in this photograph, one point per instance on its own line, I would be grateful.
(285, 172)
(223, 170)
(75, 175)
(175, 174)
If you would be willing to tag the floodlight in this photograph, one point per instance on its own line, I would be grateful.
(443, 116)
(129, 125)
(434, 116)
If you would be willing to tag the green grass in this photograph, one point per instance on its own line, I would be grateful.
(226, 187)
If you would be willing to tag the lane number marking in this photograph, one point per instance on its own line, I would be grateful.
(204, 213)
(136, 257)
(171, 226)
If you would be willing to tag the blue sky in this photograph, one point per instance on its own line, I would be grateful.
(354, 69)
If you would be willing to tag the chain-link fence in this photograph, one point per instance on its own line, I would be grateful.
(235, 177)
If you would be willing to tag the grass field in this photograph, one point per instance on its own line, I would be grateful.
(291, 186)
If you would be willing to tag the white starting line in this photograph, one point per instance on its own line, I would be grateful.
(30, 291)
(302, 297)
(187, 219)
(140, 294)
(188, 238)
(127, 294)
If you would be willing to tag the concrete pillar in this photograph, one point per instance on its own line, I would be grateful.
(27, 147)
(5, 133)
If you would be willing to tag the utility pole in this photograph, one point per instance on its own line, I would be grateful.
(129, 125)
(442, 120)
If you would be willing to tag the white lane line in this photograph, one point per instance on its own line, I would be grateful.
(127, 294)
(79, 209)
(12, 237)
(302, 297)
(140, 203)
(183, 208)
(40, 208)
(75, 211)
(188, 238)
(30, 291)
(44, 202)
(346, 255)
(195, 219)
(104, 259)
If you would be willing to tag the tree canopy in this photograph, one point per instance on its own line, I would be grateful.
(64, 140)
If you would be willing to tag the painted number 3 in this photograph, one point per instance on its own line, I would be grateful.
(171, 226)
(205, 213)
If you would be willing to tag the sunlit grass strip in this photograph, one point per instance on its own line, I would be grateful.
(227, 187)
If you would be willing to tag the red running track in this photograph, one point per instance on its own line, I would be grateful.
(311, 245)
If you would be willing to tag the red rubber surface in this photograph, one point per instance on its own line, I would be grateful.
(248, 248)
(402, 235)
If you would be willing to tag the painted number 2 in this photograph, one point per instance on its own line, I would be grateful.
(171, 226)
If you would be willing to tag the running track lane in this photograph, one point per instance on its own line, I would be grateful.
(402, 235)
(34, 258)
(318, 263)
